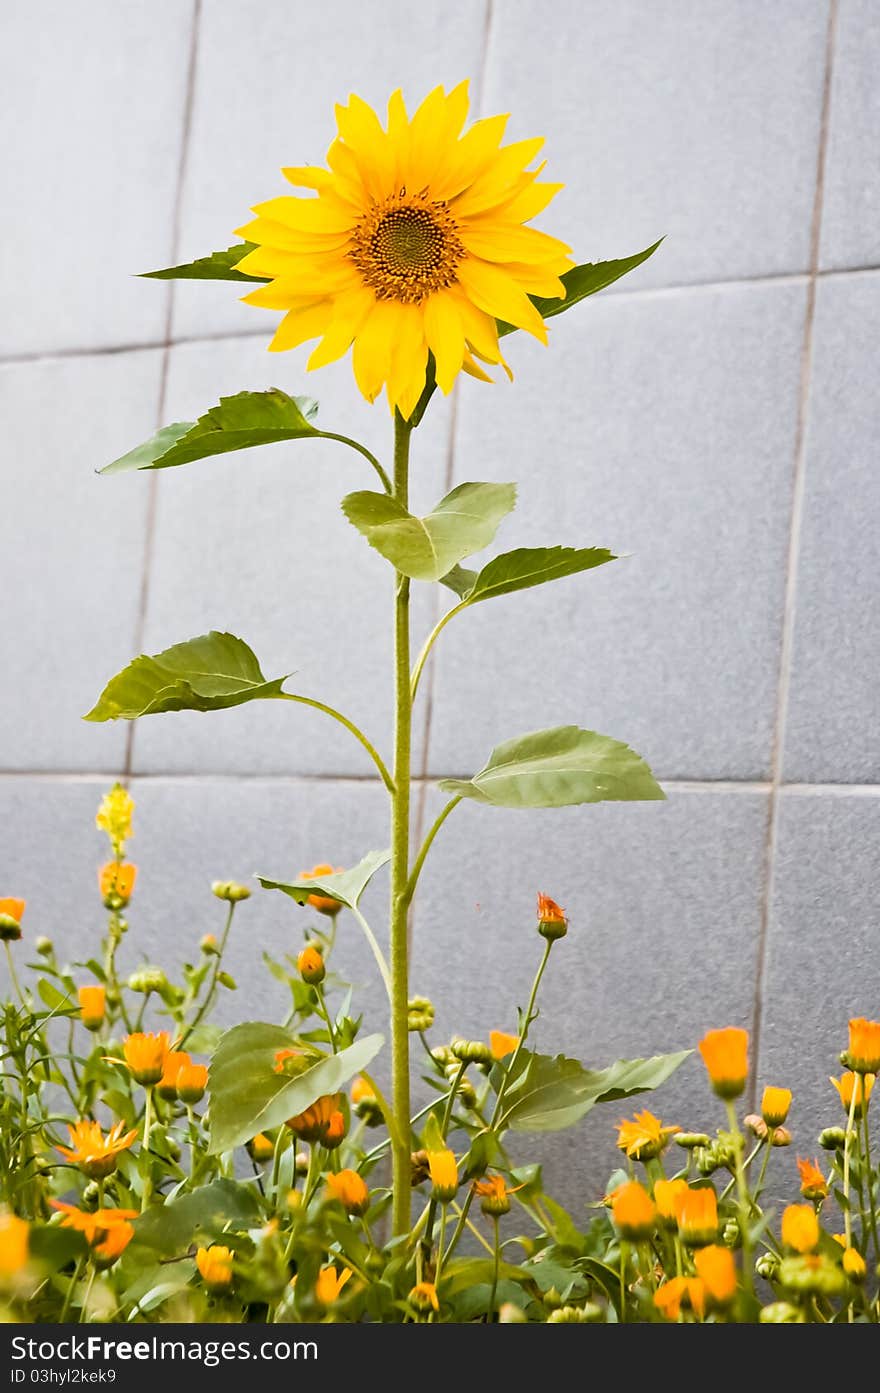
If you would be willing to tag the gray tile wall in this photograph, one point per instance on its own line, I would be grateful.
(715, 416)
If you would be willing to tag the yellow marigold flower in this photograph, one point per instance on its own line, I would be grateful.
(415, 243)
(215, 1266)
(312, 1125)
(863, 1055)
(849, 1083)
(443, 1170)
(717, 1271)
(632, 1210)
(361, 1091)
(501, 1044)
(111, 1248)
(322, 903)
(92, 1006)
(172, 1064)
(116, 882)
(145, 1056)
(423, 1298)
(95, 1154)
(495, 1193)
(261, 1147)
(725, 1055)
(96, 1225)
(775, 1103)
(192, 1080)
(329, 1284)
(698, 1216)
(854, 1265)
(351, 1190)
(800, 1228)
(14, 1240)
(668, 1197)
(552, 923)
(643, 1136)
(814, 1186)
(114, 816)
(680, 1291)
(11, 913)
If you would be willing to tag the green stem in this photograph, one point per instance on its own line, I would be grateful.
(325, 1014)
(847, 1214)
(872, 1208)
(623, 1260)
(426, 846)
(494, 1290)
(212, 985)
(768, 1147)
(84, 1308)
(148, 1123)
(376, 950)
(71, 1288)
(349, 726)
(400, 800)
(429, 644)
(362, 450)
(744, 1202)
(13, 975)
(527, 1020)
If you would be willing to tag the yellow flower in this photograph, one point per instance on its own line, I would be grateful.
(116, 883)
(114, 816)
(717, 1271)
(351, 1190)
(725, 1055)
(423, 1298)
(310, 964)
(11, 912)
(854, 1265)
(501, 1044)
(314, 1124)
(95, 1154)
(849, 1083)
(668, 1197)
(192, 1080)
(109, 1249)
(322, 903)
(173, 1063)
(632, 1210)
(552, 923)
(495, 1193)
(261, 1147)
(14, 1238)
(329, 1284)
(800, 1228)
(644, 1136)
(443, 1171)
(92, 1006)
(669, 1298)
(863, 1054)
(97, 1225)
(775, 1104)
(415, 243)
(215, 1266)
(698, 1216)
(814, 1186)
(145, 1056)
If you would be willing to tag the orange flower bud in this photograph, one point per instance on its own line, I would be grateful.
(863, 1055)
(116, 883)
(145, 1056)
(215, 1266)
(501, 1044)
(192, 1080)
(725, 1055)
(775, 1104)
(552, 923)
(859, 1084)
(632, 1210)
(310, 966)
(717, 1271)
(11, 913)
(814, 1186)
(698, 1216)
(350, 1189)
(800, 1228)
(171, 1066)
(92, 1006)
(668, 1197)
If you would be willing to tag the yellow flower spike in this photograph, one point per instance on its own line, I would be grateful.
(644, 1136)
(95, 1154)
(114, 816)
(861, 1084)
(350, 1189)
(800, 1228)
(717, 1271)
(863, 1055)
(501, 1044)
(775, 1103)
(443, 1170)
(14, 1242)
(725, 1055)
(215, 1266)
(633, 1212)
(329, 1284)
(415, 243)
(92, 1006)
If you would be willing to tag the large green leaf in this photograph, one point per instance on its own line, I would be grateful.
(174, 1227)
(207, 673)
(582, 281)
(551, 1093)
(427, 548)
(344, 886)
(237, 423)
(523, 568)
(247, 1096)
(219, 266)
(556, 769)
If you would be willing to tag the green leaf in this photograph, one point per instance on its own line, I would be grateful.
(54, 999)
(550, 1093)
(219, 266)
(173, 1227)
(582, 281)
(237, 423)
(523, 568)
(427, 548)
(248, 1097)
(558, 768)
(208, 673)
(344, 886)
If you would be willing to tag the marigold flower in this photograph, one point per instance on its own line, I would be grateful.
(495, 1193)
(800, 1228)
(116, 883)
(644, 1136)
(11, 914)
(192, 1080)
(698, 1216)
(289, 1061)
(854, 1265)
(329, 1284)
(362, 1091)
(312, 1125)
(632, 1210)
(814, 1186)
(322, 903)
(863, 1055)
(351, 1190)
(501, 1044)
(114, 816)
(171, 1066)
(725, 1055)
(111, 1248)
(680, 1291)
(95, 1226)
(95, 1154)
(215, 1266)
(552, 923)
(849, 1083)
(92, 1006)
(443, 1170)
(14, 1240)
(145, 1056)
(310, 966)
(261, 1148)
(423, 1298)
(668, 1196)
(717, 1271)
(334, 1132)
(775, 1103)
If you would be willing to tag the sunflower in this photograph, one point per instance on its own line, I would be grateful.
(416, 243)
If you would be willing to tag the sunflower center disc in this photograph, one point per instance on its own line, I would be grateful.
(407, 248)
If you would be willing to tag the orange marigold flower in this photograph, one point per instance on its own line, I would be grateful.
(800, 1228)
(290, 1061)
(92, 1006)
(717, 1271)
(215, 1266)
(171, 1066)
(814, 1186)
(11, 914)
(361, 1091)
(726, 1057)
(680, 1291)
(95, 1154)
(116, 882)
(775, 1103)
(312, 1125)
(863, 1055)
(192, 1080)
(443, 1170)
(632, 1210)
(114, 1245)
(698, 1216)
(14, 1239)
(668, 1197)
(850, 1083)
(310, 966)
(145, 1056)
(351, 1190)
(495, 1193)
(334, 1132)
(552, 923)
(95, 1226)
(501, 1044)
(261, 1147)
(423, 1298)
(329, 1284)
(322, 903)
(643, 1137)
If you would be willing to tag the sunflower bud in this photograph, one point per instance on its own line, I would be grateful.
(471, 1051)
(230, 891)
(420, 1013)
(310, 965)
(552, 923)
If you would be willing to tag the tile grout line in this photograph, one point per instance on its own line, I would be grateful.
(783, 690)
(166, 346)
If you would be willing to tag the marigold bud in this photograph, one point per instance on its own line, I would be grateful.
(767, 1266)
(863, 1055)
(800, 1228)
(775, 1103)
(145, 1056)
(465, 1092)
(334, 1133)
(813, 1274)
(552, 923)
(814, 1186)
(781, 1137)
(92, 1006)
(209, 945)
(668, 1195)
(756, 1125)
(689, 1141)
(261, 1148)
(215, 1266)
(443, 1170)
(725, 1055)
(230, 891)
(568, 1315)
(730, 1234)
(148, 979)
(351, 1190)
(423, 1298)
(418, 1165)
(632, 1210)
(495, 1196)
(854, 1265)
(832, 1139)
(167, 1085)
(420, 1013)
(782, 1313)
(10, 921)
(471, 1051)
(324, 904)
(192, 1080)
(365, 1103)
(698, 1216)
(44, 946)
(717, 1270)
(310, 965)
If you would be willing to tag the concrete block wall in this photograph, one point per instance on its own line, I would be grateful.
(715, 415)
